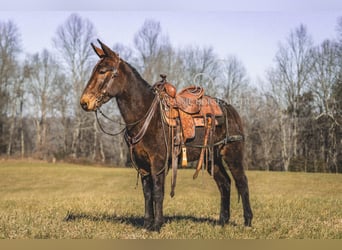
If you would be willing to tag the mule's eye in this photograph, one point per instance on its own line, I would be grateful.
(102, 71)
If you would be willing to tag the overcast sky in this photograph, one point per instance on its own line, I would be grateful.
(251, 30)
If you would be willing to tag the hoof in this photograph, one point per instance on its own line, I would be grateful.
(223, 220)
(222, 223)
(248, 222)
(148, 225)
(157, 226)
(153, 227)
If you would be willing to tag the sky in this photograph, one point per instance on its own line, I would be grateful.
(250, 30)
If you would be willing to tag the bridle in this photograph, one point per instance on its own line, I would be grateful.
(104, 94)
(104, 87)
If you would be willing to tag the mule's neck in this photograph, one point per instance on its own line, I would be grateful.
(136, 96)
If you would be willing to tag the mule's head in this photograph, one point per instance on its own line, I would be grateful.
(105, 81)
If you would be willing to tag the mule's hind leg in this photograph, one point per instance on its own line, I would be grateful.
(234, 160)
(223, 183)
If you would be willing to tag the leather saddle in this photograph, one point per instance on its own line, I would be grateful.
(189, 106)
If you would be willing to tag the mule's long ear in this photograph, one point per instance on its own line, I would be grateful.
(107, 50)
(98, 51)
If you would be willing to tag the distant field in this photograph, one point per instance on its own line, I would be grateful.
(64, 201)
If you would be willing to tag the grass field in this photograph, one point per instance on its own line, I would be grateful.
(63, 201)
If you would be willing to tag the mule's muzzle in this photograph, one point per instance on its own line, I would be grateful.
(88, 103)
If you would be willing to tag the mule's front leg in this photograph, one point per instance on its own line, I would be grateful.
(158, 199)
(147, 185)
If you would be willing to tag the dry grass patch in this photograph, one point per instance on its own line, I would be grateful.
(63, 201)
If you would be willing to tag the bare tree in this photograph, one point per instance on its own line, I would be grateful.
(293, 65)
(289, 80)
(16, 109)
(72, 42)
(63, 105)
(10, 83)
(148, 40)
(152, 46)
(234, 79)
(44, 77)
(200, 67)
(326, 68)
(10, 47)
(325, 79)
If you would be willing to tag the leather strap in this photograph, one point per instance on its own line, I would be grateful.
(132, 140)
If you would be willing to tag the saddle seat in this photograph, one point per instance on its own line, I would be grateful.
(187, 100)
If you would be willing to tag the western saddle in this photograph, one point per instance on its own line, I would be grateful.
(183, 112)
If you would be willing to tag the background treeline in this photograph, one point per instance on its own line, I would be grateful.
(292, 119)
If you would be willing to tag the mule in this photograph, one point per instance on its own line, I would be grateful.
(112, 77)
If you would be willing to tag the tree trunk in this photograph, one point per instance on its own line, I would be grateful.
(284, 152)
(10, 139)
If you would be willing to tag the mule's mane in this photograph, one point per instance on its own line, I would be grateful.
(137, 75)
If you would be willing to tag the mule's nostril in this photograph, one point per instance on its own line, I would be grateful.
(84, 105)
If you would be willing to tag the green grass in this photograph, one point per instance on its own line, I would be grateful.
(63, 201)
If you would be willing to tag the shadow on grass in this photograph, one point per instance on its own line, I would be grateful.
(135, 221)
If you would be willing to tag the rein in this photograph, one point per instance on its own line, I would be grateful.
(101, 127)
(133, 140)
(120, 123)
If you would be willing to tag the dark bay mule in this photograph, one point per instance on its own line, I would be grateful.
(113, 77)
